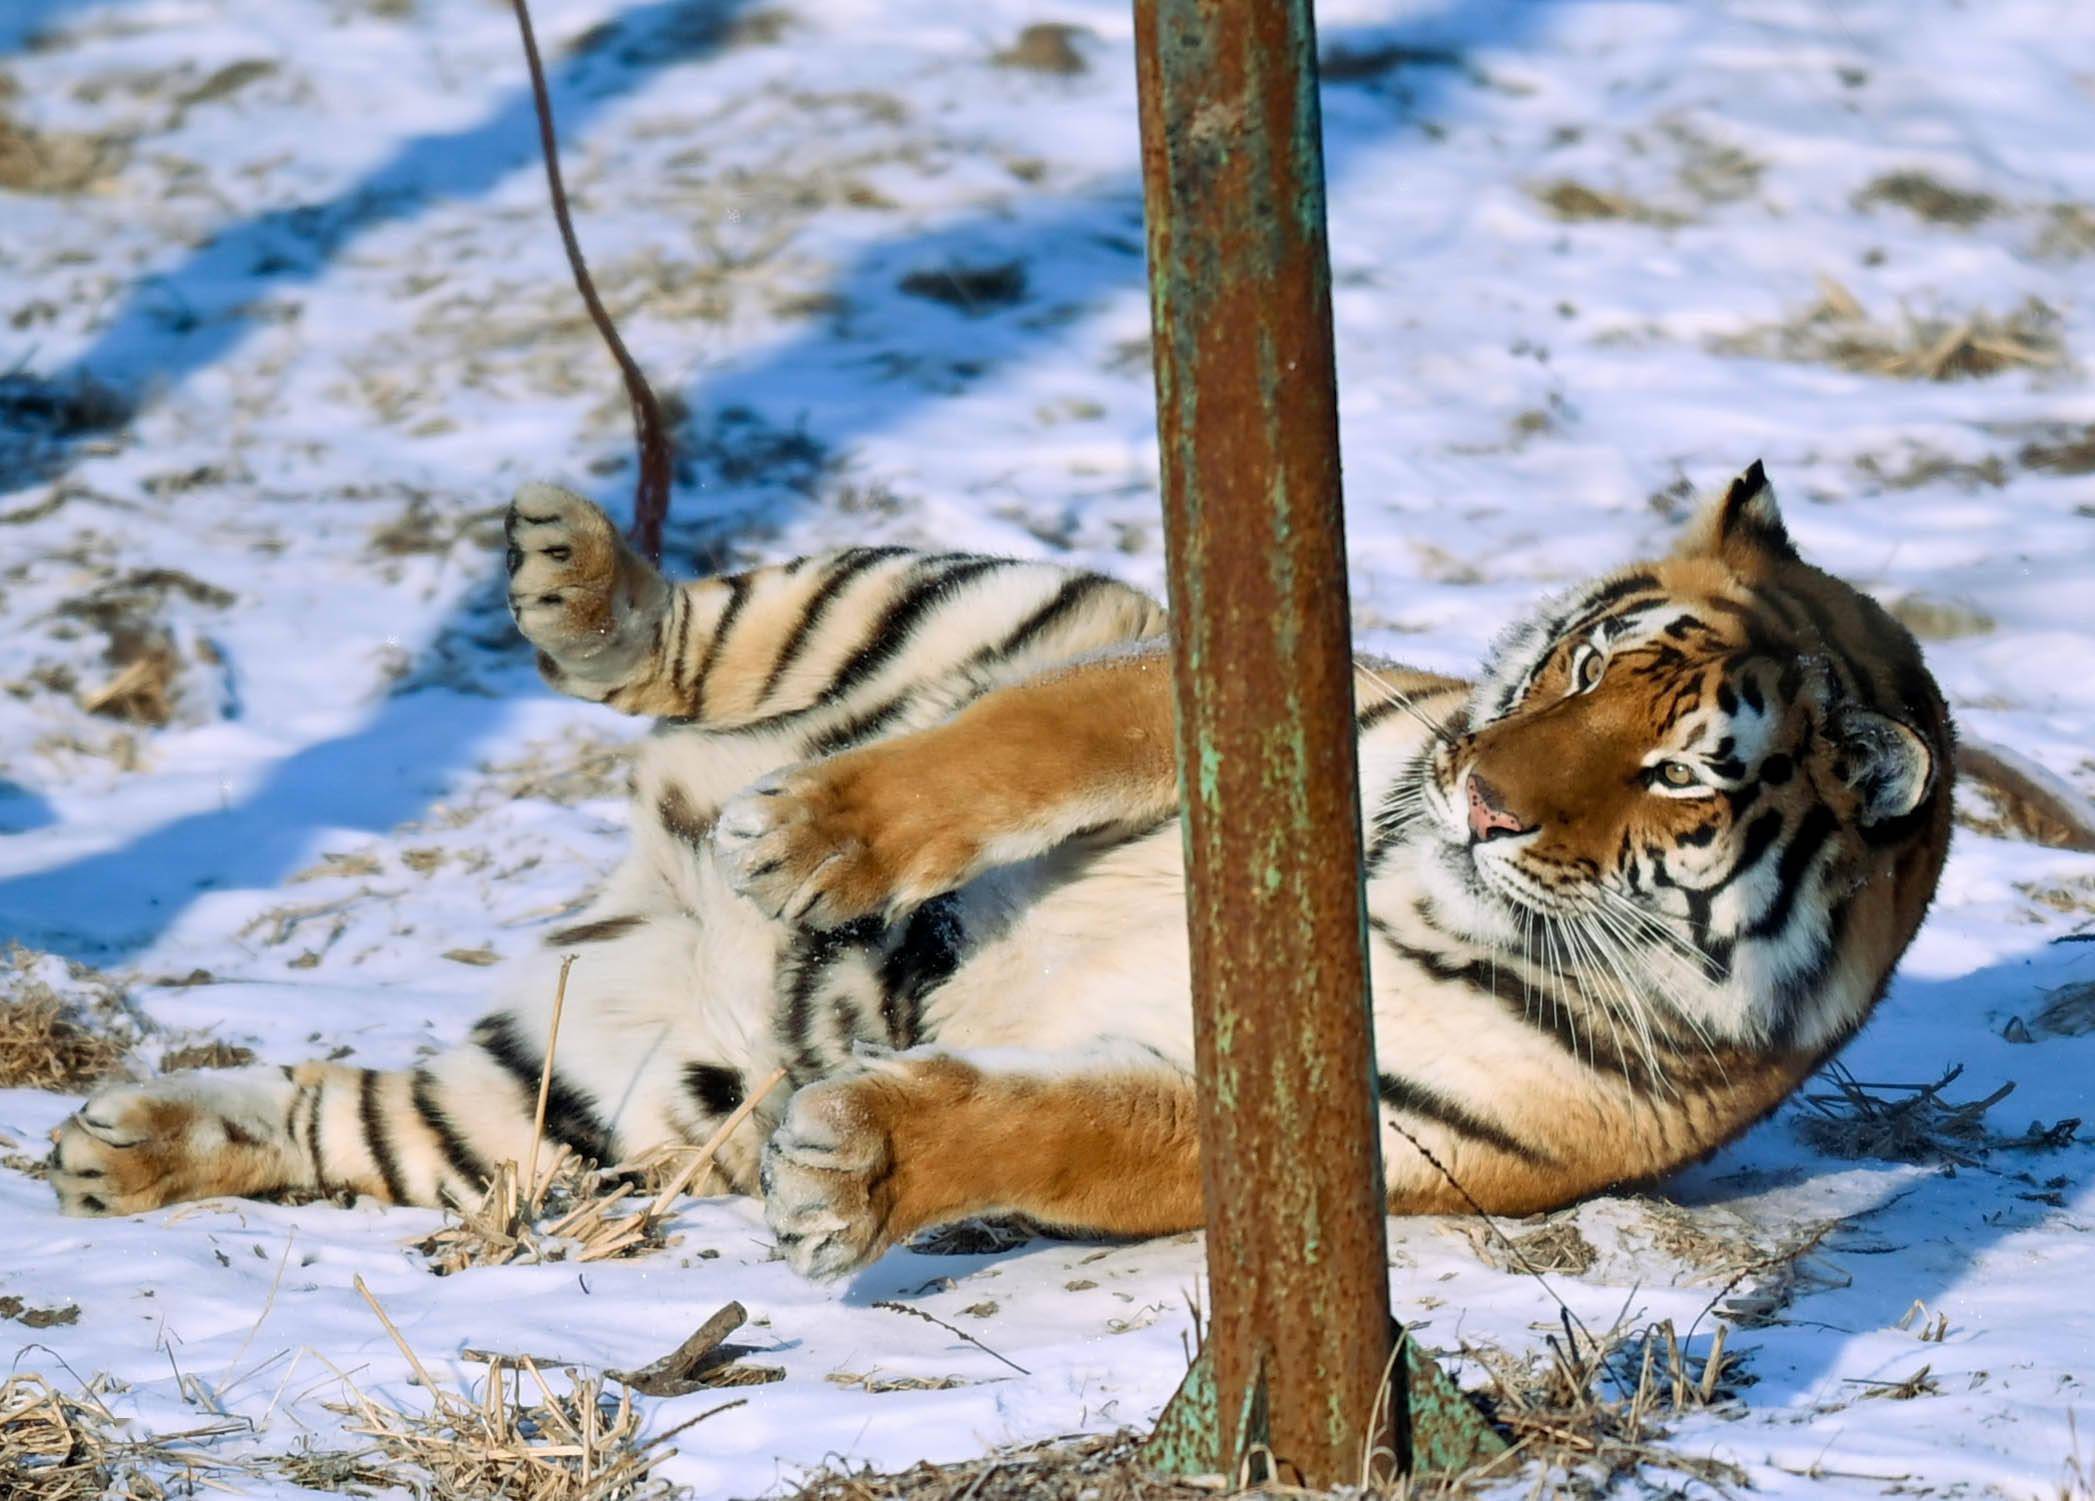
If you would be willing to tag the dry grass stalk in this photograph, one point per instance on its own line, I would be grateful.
(568, 1216)
(1574, 202)
(212, 1054)
(43, 1047)
(565, 772)
(568, 1219)
(2078, 1482)
(1104, 1468)
(1595, 1409)
(1556, 1246)
(48, 1041)
(525, 1444)
(55, 1447)
(51, 1447)
(1760, 1279)
(1851, 1121)
(54, 162)
(142, 689)
(874, 1383)
(1837, 330)
(545, 1075)
(1927, 197)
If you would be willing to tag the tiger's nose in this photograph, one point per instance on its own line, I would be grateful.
(1488, 815)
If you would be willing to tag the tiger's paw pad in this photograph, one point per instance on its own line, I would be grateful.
(121, 1152)
(810, 846)
(135, 1147)
(823, 1175)
(564, 572)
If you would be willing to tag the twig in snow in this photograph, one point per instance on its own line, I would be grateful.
(918, 1313)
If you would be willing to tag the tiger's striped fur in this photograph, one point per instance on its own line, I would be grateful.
(907, 830)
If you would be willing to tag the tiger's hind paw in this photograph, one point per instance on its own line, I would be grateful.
(823, 1177)
(134, 1147)
(579, 594)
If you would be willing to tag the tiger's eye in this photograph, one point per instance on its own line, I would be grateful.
(1676, 774)
(1589, 669)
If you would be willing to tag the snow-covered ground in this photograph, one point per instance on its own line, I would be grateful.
(1589, 256)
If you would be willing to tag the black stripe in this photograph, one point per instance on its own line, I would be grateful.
(378, 1139)
(1064, 602)
(859, 727)
(718, 1089)
(848, 567)
(680, 818)
(1374, 714)
(1760, 834)
(737, 596)
(805, 970)
(1592, 610)
(313, 1138)
(1535, 1006)
(599, 931)
(901, 618)
(680, 602)
(466, 1164)
(1803, 848)
(1414, 1098)
(1801, 984)
(570, 1114)
(925, 959)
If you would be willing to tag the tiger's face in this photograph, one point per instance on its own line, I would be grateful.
(1680, 777)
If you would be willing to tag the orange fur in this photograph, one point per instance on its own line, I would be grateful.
(894, 823)
(924, 1141)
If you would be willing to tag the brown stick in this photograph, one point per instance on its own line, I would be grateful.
(677, 1372)
(651, 488)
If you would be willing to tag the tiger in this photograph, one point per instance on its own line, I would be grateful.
(905, 860)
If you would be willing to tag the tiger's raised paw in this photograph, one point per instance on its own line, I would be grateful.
(578, 592)
(837, 840)
(826, 1177)
(135, 1147)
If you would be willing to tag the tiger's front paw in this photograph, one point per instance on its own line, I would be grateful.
(840, 839)
(578, 593)
(136, 1147)
(825, 1177)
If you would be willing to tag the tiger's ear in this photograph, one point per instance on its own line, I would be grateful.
(1887, 762)
(1745, 520)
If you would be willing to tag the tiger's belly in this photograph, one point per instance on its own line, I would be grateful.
(1078, 952)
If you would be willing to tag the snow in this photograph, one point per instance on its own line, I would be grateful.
(333, 288)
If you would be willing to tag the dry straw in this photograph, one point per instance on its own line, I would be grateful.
(1837, 330)
(518, 1442)
(568, 1214)
(48, 1041)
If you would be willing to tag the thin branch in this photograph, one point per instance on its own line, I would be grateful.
(918, 1313)
(651, 488)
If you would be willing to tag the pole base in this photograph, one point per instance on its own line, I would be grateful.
(1439, 1431)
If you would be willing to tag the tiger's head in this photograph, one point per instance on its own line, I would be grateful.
(1722, 777)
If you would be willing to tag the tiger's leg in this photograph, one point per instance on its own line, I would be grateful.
(832, 648)
(867, 1158)
(426, 1136)
(639, 1063)
(885, 827)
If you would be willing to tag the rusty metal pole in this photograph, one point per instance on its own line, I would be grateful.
(1247, 415)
